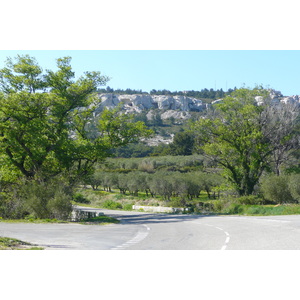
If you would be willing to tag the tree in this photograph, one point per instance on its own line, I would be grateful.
(183, 143)
(281, 126)
(233, 136)
(44, 119)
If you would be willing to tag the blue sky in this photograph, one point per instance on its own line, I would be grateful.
(181, 69)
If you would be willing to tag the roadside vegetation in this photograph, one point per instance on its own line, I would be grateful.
(15, 244)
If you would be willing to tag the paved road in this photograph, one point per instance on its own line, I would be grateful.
(144, 231)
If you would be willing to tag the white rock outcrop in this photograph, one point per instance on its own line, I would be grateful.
(175, 106)
(291, 99)
(138, 103)
(181, 115)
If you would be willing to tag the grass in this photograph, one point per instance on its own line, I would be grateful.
(103, 220)
(7, 243)
(261, 210)
(32, 220)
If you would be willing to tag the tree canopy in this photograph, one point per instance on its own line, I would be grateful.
(239, 137)
(45, 117)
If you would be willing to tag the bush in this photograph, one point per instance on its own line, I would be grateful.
(12, 207)
(51, 199)
(110, 204)
(60, 205)
(220, 205)
(234, 208)
(276, 188)
(79, 198)
(249, 200)
(294, 186)
(127, 206)
(177, 203)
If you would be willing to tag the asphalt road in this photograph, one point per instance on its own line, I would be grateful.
(144, 231)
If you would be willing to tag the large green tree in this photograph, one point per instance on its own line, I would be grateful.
(46, 117)
(183, 143)
(233, 136)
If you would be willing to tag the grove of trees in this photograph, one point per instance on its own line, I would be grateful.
(181, 177)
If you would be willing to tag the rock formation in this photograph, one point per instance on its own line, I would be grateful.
(138, 103)
(177, 107)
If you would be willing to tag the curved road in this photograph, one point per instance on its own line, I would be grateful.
(145, 231)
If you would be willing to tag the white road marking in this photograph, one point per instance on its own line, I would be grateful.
(138, 238)
(225, 232)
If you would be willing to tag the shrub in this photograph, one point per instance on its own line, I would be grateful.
(276, 188)
(294, 186)
(12, 207)
(60, 206)
(219, 205)
(110, 204)
(177, 203)
(127, 206)
(79, 198)
(234, 208)
(249, 200)
(147, 166)
(51, 199)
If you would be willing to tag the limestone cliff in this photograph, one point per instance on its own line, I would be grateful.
(177, 107)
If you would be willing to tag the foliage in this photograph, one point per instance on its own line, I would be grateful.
(45, 132)
(233, 136)
(294, 186)
(249, 200)
(12, 206)
(110, 204)
(183, 144)
(45, 199)
(282, 128)
(38, 111)
(7, 243)
(44, 119)
(79, 198)
(227, 207)
(135, 150)
(204, 93)
(277, 188)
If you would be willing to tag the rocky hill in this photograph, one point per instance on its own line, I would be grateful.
(177, 107)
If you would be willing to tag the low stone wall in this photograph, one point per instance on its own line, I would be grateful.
(81, 214)
(159, 209)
